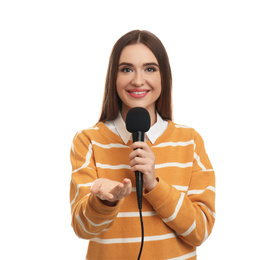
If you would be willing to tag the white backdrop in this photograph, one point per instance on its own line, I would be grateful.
(53, 60)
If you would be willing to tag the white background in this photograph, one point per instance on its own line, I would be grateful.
(53, 61)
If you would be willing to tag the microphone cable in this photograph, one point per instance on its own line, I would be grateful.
(139, 189)
(142, 233)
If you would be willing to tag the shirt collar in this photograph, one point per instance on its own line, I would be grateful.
(152, 135)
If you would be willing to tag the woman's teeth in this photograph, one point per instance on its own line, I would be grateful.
(138, 93)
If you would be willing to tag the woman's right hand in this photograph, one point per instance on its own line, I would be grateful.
(110, 192)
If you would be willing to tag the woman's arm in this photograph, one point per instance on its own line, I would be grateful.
(95, 203)
(190, 215)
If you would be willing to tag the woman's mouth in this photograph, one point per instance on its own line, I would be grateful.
(138, 93)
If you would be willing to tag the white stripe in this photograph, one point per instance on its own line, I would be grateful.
(89, 184)
(72, 147)
(90, 128)
(197, 158)
(157, 166)
(177, 187)
(177, 208)
(205, 223)
(83, 227)
(109, 146)
(97, 225)
(212, 213)
(191, 192)
(83, 166)
(133, 239)
(190, 230)
(88, 157)
(174, 164)
(75, 137)
(182, 188)
(183, 257)
(208, 170)
(73, 210)
(136, 214)
(182, 126)
(174, 144)
(113, 167)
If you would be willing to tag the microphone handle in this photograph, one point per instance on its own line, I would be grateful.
(139, 188)
(139, 136)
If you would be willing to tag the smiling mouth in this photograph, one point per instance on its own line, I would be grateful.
(138, 94)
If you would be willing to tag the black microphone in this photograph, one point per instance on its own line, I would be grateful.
(137, 123)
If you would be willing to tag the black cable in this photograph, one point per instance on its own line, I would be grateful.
(142, 233)
(139, 188)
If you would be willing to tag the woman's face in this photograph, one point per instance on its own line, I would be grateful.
(138, 80)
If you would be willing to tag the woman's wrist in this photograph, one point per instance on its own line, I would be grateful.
(109, 203)
(152, 186)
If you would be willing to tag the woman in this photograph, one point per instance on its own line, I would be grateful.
(178, 204)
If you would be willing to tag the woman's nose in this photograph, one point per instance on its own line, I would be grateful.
(138, 80)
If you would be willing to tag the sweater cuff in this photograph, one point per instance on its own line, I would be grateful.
(100, 208)
(159, 194)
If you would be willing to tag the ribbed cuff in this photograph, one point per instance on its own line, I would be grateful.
(99, 207)
(159, 194)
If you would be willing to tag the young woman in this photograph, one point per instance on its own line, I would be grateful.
(179, 182)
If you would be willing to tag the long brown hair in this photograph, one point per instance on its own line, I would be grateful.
(112, 104)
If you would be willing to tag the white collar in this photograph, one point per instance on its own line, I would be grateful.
(118, 126)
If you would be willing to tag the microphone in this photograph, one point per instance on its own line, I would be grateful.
(137, 123)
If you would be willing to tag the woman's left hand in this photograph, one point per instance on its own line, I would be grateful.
(143, 160)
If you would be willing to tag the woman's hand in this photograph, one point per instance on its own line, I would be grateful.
(143, 160)
(110, 192)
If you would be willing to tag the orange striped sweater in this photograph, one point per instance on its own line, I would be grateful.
(178, 214)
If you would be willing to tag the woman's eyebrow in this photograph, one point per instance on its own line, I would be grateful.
(125, 64)
(145, 64)
(151, 64)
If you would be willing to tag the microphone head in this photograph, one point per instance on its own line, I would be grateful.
(137, 119)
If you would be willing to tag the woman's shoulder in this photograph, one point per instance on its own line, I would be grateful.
(181, 132)
(175, 127)
(185, 132)
(98, 133)
(88, 133)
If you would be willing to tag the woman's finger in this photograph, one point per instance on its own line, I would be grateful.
(142, 145)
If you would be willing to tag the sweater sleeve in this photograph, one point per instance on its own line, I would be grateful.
(90, 216)
(191, 215)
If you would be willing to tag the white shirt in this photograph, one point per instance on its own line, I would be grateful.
(118, 126)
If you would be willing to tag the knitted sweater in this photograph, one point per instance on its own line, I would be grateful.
(178, 214)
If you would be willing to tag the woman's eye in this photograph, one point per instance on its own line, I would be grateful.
(151, 69)
(126, 70)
